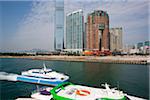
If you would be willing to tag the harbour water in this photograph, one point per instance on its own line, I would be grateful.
(132, 79)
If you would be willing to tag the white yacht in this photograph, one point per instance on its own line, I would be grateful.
(45, 73)
(43, 76)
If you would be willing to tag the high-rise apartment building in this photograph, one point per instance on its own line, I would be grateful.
(84, 37)
(139, 45)
(74, 30)
(59, 25)
(97, 30)
(116, 39)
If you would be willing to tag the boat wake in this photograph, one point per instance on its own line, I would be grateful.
(8, 76)
(33, 80)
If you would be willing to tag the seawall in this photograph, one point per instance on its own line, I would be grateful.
(104, 59)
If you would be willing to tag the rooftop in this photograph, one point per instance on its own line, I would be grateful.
(80, 10)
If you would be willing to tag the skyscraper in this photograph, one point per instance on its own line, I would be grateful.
(74, 30)
(139, 45)
(116, 39)
(97, 30)
(84, 36)
(59, 25)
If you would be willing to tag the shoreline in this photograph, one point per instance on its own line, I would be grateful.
(104, 59)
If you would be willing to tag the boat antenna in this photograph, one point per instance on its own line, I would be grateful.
(37, 86)
(44, 67)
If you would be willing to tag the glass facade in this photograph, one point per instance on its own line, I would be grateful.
(139, 45)
(74, 30)
(147, 43)
(59, 24)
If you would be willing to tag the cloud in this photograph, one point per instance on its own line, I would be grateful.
(134, 20)
(36, 30)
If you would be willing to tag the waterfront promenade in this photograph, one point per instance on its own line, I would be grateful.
(103, 59)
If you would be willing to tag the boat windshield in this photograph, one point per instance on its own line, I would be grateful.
(48, 71)
(41, 72)
(45, 92)
(35, 72)
(59, 89)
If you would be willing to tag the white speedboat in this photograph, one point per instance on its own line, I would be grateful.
(39, 94)
(42, 94)
(43, 76)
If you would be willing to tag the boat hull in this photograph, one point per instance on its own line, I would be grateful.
(39, 80)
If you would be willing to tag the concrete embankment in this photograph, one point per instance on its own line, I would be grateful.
(104, 59)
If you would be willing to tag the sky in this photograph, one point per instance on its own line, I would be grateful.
(25, 25)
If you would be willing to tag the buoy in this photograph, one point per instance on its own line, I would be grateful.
(82, 92)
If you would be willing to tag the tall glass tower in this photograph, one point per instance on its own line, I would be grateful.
(59, 25)
(74, 30)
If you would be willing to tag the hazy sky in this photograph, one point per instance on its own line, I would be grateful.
(29, 24)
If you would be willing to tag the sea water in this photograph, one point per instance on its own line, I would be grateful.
(132, 79)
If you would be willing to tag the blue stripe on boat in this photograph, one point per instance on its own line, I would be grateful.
(24, 79)
(38, 80)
